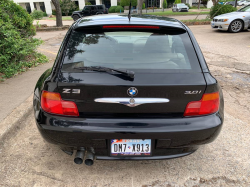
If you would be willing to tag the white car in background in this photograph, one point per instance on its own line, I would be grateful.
(180, 7)
(233, 21)
(244, 3)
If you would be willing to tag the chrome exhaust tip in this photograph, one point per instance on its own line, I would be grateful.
(89, 160)
(79, 156)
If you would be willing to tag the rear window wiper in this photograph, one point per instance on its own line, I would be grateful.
(127, 73)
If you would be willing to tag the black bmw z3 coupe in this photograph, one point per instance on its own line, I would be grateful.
(125, 89)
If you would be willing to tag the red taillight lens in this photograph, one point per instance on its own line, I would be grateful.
(209, 104)
(52, 103)
(129, 27)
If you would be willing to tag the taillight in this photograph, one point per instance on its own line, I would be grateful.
(209, 104)
(130, 27)
(52, 103)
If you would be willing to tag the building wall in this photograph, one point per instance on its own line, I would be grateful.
(46, 4)
(49, 5)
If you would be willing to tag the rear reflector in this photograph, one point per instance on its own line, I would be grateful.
(209, 104)
(129, 27)
(52, 103)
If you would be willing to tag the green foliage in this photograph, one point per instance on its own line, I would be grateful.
(221, 9)
(67, 6)
(188, 5)
(45, 14)
(118, 3)
(143, 6)
(54, 12)
(112, 9)
(165, 4)
(37, 14)
(119, 9)
(177, 1)
(127, 2)
(88, 3)
(17, 47)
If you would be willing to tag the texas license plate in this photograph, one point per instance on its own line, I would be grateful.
(130, 147)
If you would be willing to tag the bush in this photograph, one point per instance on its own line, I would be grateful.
(221, 9)
(119, 9)
(143, 6)
(177, 1)
(88, 3)
(165, 4)
(54, 12)
(37, 14)
(188, 5)
(118, 3)
(17, 47)
(112, 9)
(45, 14)
(67, 7)
(127, 2)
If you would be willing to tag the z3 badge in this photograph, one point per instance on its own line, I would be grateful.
(75, 91)
(193, 92)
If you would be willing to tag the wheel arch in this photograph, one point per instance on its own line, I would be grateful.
(76, 14)
(240, 20)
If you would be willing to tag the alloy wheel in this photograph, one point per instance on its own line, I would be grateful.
(236, 26)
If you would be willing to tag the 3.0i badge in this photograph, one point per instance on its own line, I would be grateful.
(132, 91)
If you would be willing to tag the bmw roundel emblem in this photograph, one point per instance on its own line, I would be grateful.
(132, 91)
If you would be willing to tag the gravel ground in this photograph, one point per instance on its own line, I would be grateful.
(27, 160)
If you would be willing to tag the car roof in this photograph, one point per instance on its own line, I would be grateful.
(123, 20)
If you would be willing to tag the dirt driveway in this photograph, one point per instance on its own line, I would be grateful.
(27, 160)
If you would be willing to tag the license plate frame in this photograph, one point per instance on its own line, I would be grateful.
(137, 154)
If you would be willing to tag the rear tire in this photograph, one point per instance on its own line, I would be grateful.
(235, 26)
(75, 17)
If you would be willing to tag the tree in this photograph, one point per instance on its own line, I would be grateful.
(140, 2)
(215, 2)
(165, 4)
(58, 13)
(199, 4)
(67, 6)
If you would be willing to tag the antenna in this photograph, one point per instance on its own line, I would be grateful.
(129, 15)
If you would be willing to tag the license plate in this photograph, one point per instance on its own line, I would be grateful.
(130, 147)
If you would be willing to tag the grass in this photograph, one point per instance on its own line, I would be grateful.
(196, 8)
(64, 18)
(170, 13)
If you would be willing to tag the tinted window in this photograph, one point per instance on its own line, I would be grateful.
(145, 51)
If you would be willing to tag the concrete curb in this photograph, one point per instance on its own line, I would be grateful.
(197, 23)
(52, 28)
(12, 121)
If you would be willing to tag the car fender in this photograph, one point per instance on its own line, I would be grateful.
(245, 22)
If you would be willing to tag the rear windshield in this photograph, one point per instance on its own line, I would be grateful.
(138, 51)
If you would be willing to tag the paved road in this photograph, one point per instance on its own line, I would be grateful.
(26, 160)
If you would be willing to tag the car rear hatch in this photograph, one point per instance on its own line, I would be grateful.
(164, 62)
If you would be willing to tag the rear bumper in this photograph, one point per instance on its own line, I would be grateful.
(170, 137)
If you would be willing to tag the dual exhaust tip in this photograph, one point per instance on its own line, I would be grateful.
(79, 157)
